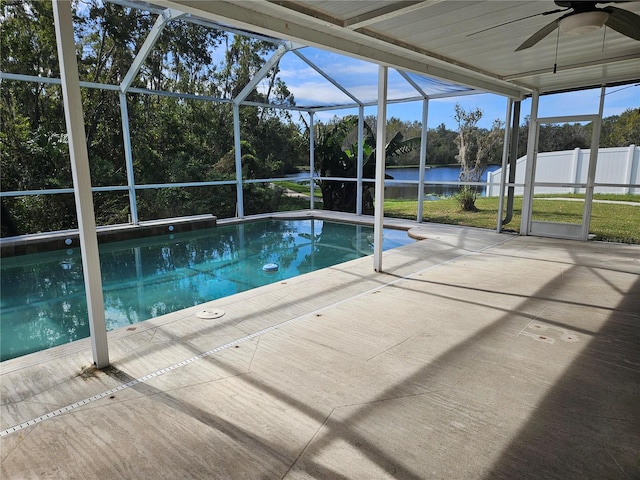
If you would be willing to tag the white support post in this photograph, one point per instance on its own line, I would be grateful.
(591, 172)
(360, 160)
(63, 21)
(378, 222)
(505, 160)
(532, 143)
(129, 77)
(236, 141)
(314, 241)
(128, 158)
(312, 162)
(423, 158)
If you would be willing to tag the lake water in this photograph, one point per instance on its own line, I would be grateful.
(431, 174)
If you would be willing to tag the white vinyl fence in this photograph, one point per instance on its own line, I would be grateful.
(615, 166)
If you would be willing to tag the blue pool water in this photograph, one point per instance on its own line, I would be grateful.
(43, 298)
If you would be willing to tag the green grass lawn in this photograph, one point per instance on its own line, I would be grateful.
(609, 222)
(300, 188)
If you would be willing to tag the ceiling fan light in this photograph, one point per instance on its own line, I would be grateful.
(584, 22)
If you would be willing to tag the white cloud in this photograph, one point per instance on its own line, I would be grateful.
(289, 74)
(344, 69)
(339, 65)
(317, 93)
(322, 92)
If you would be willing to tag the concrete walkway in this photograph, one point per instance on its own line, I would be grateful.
(474, 356)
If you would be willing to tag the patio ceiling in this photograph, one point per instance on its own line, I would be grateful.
(446, 40)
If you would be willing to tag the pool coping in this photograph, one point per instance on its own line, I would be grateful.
(49, 241)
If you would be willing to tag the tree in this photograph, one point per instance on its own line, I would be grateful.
(616, 131)
(441, 145)
(173, 139)
(33, 148)
(475, 149)
(621, 130)
(334, 157)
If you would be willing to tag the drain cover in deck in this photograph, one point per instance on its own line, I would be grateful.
(210, 313)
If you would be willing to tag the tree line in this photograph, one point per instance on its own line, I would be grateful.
(442, 148)
(174, 139)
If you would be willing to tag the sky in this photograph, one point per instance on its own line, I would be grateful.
(360, 78)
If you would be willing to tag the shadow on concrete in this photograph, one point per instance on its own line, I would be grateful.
(588, 426)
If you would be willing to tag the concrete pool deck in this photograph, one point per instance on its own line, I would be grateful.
(475, 355)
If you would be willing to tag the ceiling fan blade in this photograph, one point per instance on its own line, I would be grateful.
(623, 21)
(559, 10)
(539, 35)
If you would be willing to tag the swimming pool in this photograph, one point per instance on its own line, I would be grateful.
(43, 300)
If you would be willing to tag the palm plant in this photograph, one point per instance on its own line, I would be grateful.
(334, 159)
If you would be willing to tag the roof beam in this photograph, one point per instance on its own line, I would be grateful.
(304, 10)
(162, 20)
(385, 13)
(374, 16)
(327, 77)
(565, 68)
(138, 4)
(269, 64)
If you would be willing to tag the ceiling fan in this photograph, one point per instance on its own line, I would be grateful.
(584, 17)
